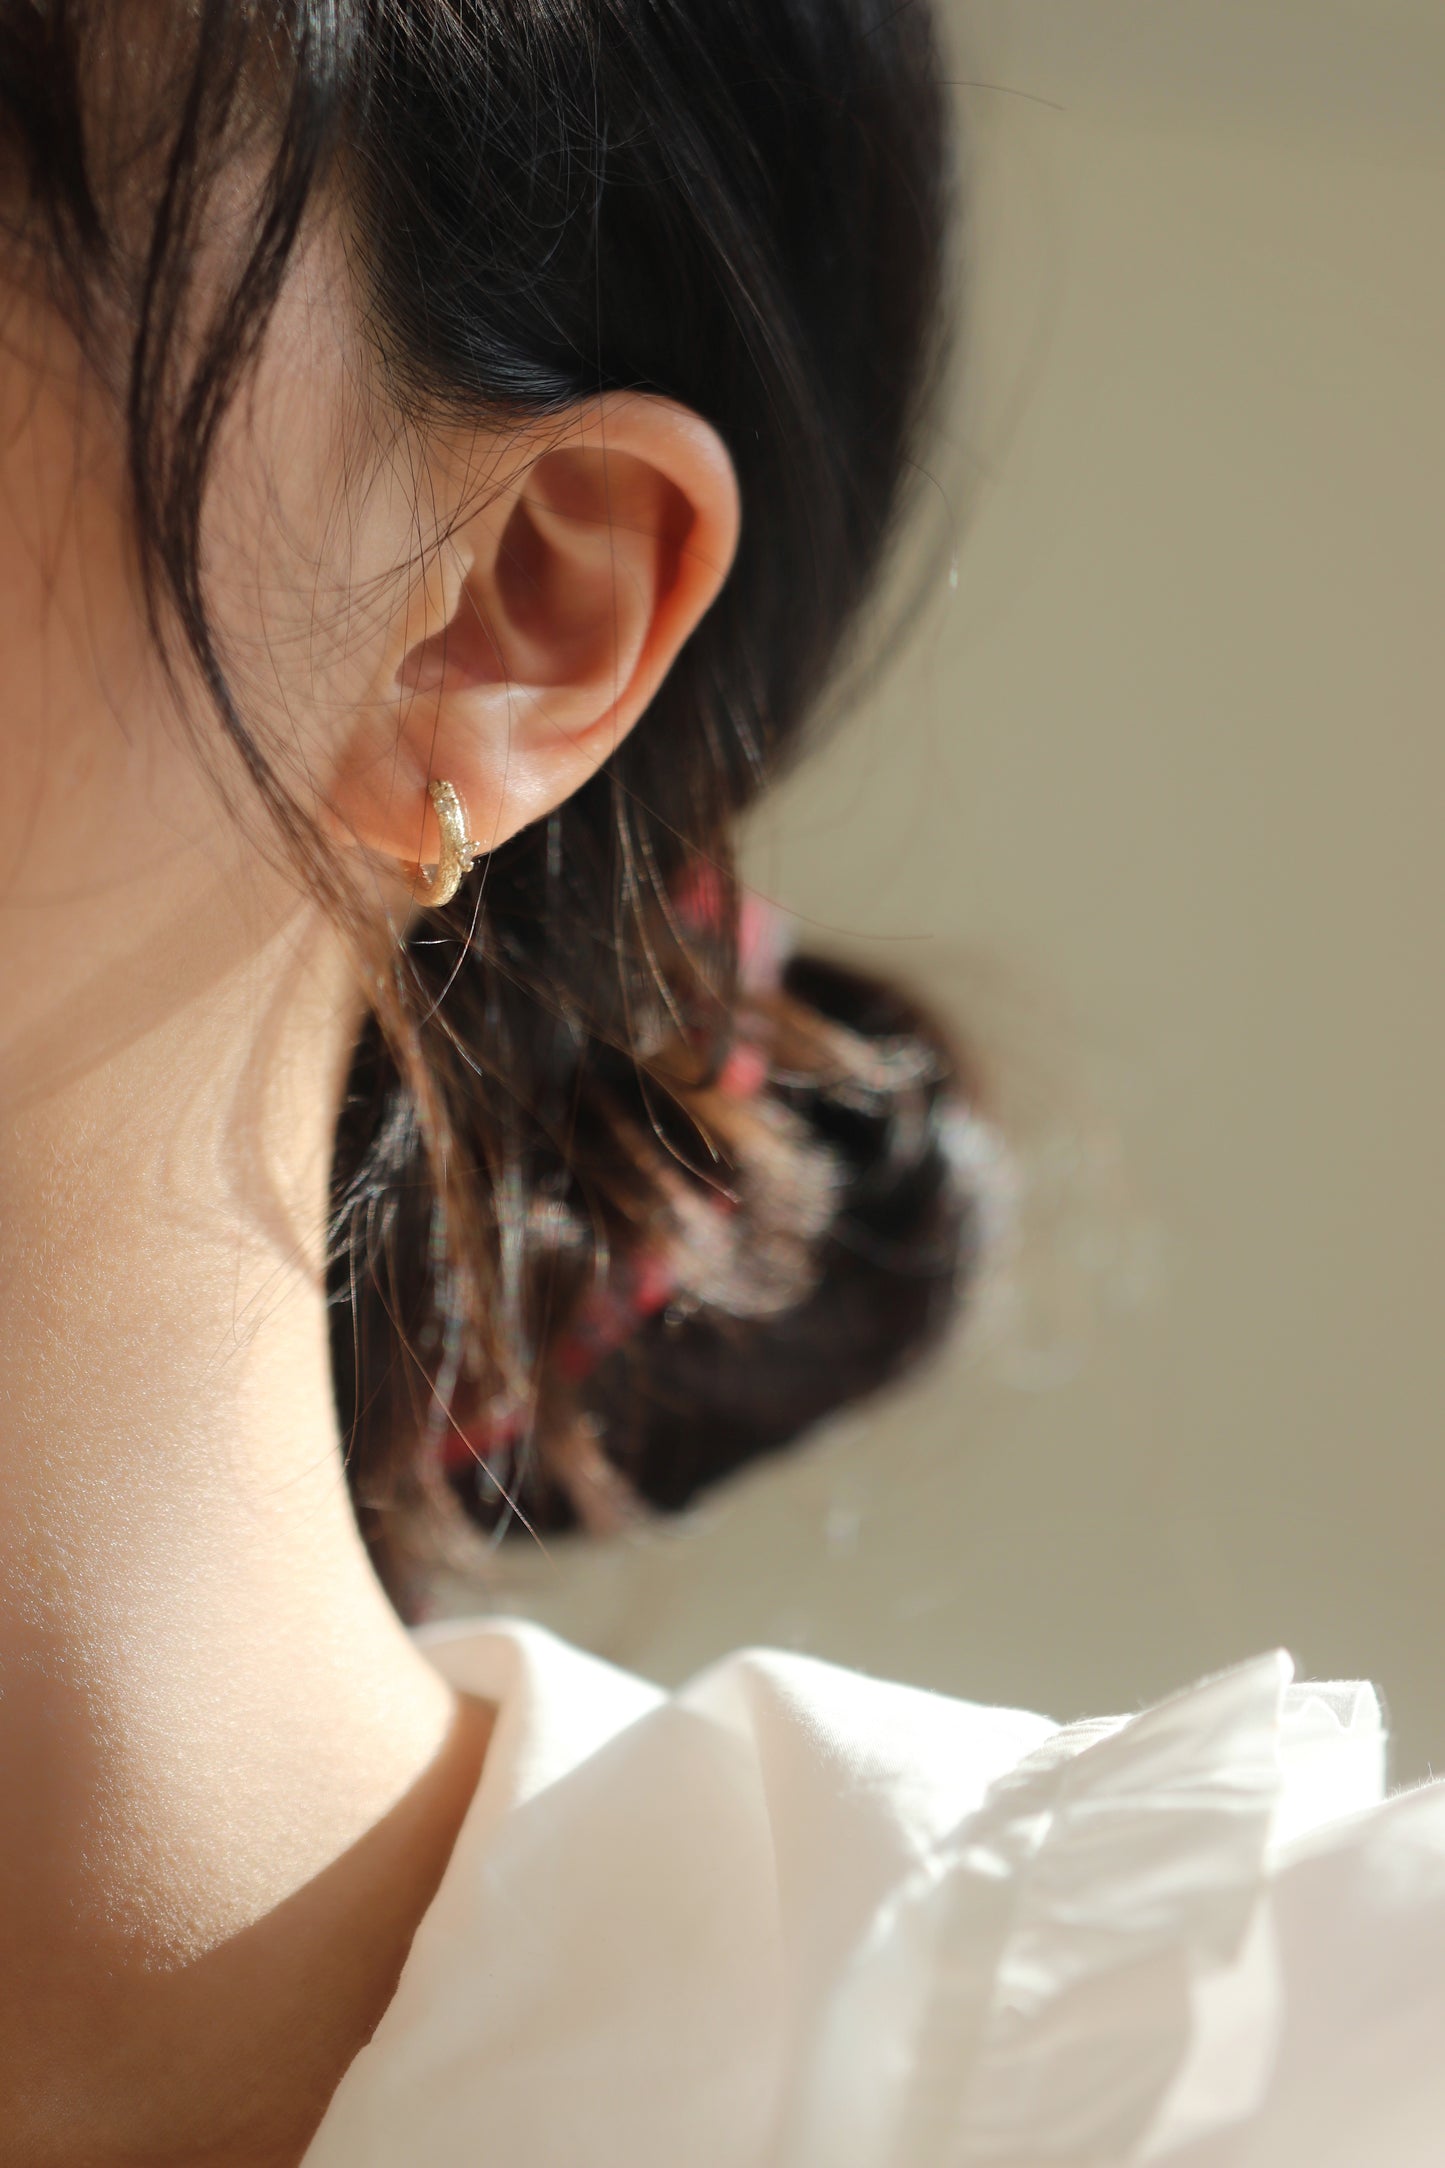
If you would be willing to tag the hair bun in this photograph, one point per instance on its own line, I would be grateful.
(828, 1261)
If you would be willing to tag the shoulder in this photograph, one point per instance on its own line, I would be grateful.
(791, 1913)
(648, 1901)
(812, 1740)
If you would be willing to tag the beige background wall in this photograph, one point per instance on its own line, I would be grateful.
(1153, 802)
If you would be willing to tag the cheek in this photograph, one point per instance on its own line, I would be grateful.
(88, 742)
(309, 528)
(310, 524)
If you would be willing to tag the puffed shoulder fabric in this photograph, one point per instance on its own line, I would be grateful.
(790, 1917)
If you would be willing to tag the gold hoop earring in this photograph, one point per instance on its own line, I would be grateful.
(458, 855)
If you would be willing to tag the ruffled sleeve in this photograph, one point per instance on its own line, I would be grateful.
(1167, 1938)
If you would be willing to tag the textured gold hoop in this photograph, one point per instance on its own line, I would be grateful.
(458, 855)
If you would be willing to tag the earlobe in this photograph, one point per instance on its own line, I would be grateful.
(547, 622)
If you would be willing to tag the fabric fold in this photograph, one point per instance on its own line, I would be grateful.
(789, 1917)
(1085, 1971)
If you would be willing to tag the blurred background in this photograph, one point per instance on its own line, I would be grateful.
(1149, 802)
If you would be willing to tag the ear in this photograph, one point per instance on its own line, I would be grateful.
(534, 638)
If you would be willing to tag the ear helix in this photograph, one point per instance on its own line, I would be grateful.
(458, 854)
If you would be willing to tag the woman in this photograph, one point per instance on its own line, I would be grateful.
(446, 449)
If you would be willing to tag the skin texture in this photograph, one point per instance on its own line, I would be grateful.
(229, 1782)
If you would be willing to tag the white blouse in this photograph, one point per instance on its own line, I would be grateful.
(790, 1917)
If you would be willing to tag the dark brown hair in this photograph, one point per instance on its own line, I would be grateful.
(742, 205)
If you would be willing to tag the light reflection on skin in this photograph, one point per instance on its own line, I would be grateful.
(228, 1780)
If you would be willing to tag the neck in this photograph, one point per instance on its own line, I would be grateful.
(215, 1736)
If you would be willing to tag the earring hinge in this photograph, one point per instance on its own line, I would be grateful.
(458, 852)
